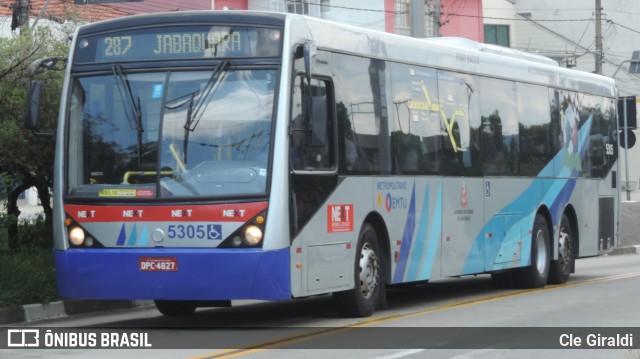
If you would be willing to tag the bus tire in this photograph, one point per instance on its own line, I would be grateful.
(361, 301)
(537, 273)
(175, 308)
(561, 268)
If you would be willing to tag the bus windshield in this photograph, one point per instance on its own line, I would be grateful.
(170, 133)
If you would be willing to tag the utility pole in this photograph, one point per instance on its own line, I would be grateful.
(23, 16)
(599, 53)
(417, 18)
(436, 17)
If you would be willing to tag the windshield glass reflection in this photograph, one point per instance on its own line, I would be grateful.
(163, 134)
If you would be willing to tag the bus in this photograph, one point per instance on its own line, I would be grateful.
(210, 156)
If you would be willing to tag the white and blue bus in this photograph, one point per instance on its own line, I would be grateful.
(204, 157)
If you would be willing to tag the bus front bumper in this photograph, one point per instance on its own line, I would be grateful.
(198, 274)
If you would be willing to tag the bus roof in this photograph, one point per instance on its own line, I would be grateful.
(453, 54)
(185, 17)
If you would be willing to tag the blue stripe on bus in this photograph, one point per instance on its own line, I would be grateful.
(561, 200)
(133, 238)
(434, 238)
(122, 237)
(417, 258)
(556, 196)
(144, 236)
(407, 238)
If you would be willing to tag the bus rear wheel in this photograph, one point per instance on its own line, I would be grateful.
(361, 301)
(562, 267)
(175, 308)
(536, 275)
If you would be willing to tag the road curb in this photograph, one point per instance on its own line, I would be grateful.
(35, 312)
(634, 249)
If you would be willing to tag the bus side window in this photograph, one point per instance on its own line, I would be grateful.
(311, 138)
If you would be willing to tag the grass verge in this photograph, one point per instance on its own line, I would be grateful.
(27, 276)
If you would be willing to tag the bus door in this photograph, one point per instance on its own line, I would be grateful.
(313, 178)
(505, 228)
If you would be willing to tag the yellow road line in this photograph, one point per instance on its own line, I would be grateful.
(317, 333)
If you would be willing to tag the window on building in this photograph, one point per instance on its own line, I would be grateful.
(303, 7)
(497, 34)
(403, 19)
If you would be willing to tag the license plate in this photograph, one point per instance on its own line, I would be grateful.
(158, 264)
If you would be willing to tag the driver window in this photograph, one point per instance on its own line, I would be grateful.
(311, 138)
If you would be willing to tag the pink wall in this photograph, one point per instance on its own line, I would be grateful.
(231, 4)
(463, 19)
(389, 17)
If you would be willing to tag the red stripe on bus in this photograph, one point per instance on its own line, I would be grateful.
(236, 212)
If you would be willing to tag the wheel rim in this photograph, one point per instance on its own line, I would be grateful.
(369, 269)
(541, 247)
(564, 250)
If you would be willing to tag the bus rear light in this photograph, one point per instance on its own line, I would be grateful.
(76, 236)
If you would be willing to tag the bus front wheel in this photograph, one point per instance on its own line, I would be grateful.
(175, 308)
(361, 301)
(536, 275)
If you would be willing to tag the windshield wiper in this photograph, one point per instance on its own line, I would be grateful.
(214, 82)
(196, 102)
(136, 124)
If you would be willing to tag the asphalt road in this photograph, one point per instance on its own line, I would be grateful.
(452, 318)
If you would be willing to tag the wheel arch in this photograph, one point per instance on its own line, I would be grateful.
(546, 213)
(570, 212)
(379, 225)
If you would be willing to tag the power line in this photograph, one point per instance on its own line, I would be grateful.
(345, 7)
(521, 19)
(623, 26)
(152, 6)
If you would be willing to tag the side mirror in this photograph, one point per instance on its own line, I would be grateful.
(32, 105)
(309, 52)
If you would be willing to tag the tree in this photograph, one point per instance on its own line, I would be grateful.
(26, 159)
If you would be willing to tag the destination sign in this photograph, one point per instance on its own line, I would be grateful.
(179, 42)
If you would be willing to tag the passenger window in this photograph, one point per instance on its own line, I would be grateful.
(500, 129)
(416, 125)
(535, 128)
(461, 124)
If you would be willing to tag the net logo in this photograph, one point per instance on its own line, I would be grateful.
(339, 218)
(23, 338)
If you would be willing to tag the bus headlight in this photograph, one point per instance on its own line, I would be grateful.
(252, 235)
(76, 236)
